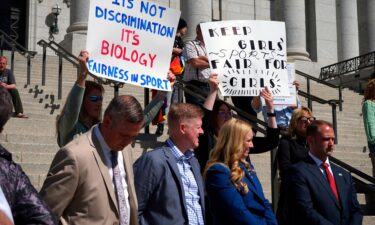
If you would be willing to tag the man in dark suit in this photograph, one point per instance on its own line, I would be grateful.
(321, 192)
(167, 180)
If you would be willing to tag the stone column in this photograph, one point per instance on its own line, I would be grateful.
(371, 25)
(294, 17)
(347, 29)
(195, 12)
(75, 39)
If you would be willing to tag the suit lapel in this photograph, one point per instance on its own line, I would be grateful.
(100, 160)
(315, 170)
(340, 183)
(253, 183)
(176, 173)
(198, 178)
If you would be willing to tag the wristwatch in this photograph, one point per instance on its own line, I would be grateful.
(269, 114)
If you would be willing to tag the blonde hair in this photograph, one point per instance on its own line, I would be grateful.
(229, 150)
(181, 111)
(297, 114)
(369, 91)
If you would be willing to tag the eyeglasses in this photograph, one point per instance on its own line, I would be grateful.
(226, 114)
(305, 119)
(95, 98)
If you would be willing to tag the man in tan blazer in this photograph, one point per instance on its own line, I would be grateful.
(80, 186)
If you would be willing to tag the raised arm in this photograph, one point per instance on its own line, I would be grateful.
(267, 95)
(157, 102)
(211, 97)
(73, 102)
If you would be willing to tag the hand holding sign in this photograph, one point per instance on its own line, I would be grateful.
(213, 82)
(124, 50)
(268, 98)
(251, 55)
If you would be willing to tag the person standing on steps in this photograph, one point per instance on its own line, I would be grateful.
(321, 192)
(83, 106)
(197, 70)
(368, 113)
(8, 81)
(167, 179)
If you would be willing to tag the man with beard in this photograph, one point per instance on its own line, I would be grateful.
(321, 192)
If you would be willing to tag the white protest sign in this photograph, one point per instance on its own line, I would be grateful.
(131, 41)
(290, 100)
(247, 55)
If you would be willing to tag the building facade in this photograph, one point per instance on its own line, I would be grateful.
(319, 32)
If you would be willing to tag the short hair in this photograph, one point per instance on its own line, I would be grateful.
(4, 57)
(297, 114)
(314, 128)
(125, 108)
(181, 24)
(181, 111)
(6, 107)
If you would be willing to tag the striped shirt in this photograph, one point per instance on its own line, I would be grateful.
(194, 209)
(194, 49)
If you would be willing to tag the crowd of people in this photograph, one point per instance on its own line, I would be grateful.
(203, 173)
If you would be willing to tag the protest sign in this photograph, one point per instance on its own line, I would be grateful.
(131, 41)
(247, 55)
(290, 100)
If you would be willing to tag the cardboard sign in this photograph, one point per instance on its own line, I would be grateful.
(131, 41)
(247, 55)
(290, 100)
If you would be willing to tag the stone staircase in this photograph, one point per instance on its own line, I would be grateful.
(33, 141)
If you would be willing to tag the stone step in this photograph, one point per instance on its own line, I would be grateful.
(31, 147)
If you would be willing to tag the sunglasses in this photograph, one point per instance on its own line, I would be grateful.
(306, 119)
(95, 98)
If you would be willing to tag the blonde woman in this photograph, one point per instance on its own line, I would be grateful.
(234, 191)
(292, 149)
(368, 112)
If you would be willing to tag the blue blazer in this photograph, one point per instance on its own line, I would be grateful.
(160, 193)
(312, 200)
(228, 206)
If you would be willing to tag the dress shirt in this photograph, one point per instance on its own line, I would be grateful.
(283, 113)
(4, 205)
(319, 162)
(194, 209)
(108, 163)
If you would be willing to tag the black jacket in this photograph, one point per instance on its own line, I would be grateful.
(26, 205)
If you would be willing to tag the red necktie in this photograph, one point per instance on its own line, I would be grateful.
(331, 180)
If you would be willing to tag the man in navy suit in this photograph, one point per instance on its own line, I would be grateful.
(167, 180)
(322, 193)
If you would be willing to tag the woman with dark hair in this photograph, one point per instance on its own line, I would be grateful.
(292, 149)
(233, 188)
(368, 112)
(218, 112)
(83, 106)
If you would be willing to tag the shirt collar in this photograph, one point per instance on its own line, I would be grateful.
(177, 153)
(317, 161)
(101, 140)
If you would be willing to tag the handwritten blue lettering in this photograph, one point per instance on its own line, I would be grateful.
(134, 22)
(151, 10)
